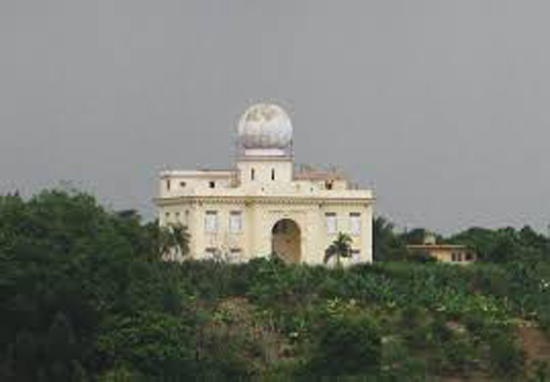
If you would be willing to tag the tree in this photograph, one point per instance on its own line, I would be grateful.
(340, 248)
(61, 342)
(167, 243)
(415, 236)
(348, 345)
(388, 246)
(179, 237)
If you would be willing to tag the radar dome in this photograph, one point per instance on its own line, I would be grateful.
(265, 130)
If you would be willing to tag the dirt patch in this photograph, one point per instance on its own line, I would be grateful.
(238, 331)
(536, 346)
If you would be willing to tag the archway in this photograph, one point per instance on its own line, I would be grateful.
(286, 240)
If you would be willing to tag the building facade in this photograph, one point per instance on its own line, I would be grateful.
(264, 205)
(446, 253)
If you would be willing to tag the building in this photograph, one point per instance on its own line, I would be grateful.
(446, 253)
(265, 205)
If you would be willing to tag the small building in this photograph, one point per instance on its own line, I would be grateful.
(446, 253)
(264, 205)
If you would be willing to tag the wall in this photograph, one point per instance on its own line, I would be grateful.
(263, 203)
(259, 219)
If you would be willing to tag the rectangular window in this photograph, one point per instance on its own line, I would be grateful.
(235, 221)
(355, 223)
(355, 256)
(332, 224)
(210, 252)
(211, 221)
(235, 255)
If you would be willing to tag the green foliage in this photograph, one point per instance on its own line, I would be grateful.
(85, 297)
(388, 246)
(60, 341)
(348, 343)
(506, 244)
(68, 266)
(152, 343)
(423, 258)
(340, 249)
(507, 360)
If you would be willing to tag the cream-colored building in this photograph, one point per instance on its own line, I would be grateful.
(446, 253)
(265, 205)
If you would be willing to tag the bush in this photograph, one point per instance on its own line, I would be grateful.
(507, 360)
(422, 258)
(347, 345)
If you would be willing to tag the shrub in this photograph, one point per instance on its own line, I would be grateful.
(422, 258)
(347, 345)
(506, 358)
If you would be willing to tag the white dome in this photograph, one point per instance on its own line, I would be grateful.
(265, 129)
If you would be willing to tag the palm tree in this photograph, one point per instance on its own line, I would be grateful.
(167, 242)
(175, 241)
(341, 248)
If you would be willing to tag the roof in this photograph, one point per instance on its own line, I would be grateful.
(319, 175)
(197, 173)
(436, 246)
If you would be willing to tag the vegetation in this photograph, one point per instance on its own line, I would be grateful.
(340, 249)
(85, 296)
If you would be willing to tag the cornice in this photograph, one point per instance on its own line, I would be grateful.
(248, 200)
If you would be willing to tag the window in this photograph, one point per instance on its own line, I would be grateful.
(183, 184)
(469, 257)
(235, 255)
(329, 184)
(211, 252)
(167, 215)
(177, 216)
(211, 221)
(355, 256)
(355, 223)
(456, 257)
(273, 174)
(212, 184)
(332, 224)
(252, 174)
(235, 221)
(168, 184)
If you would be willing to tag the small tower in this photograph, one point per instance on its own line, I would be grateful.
(430, 238)
(265, 146)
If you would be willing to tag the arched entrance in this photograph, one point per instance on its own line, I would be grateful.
(286, 240)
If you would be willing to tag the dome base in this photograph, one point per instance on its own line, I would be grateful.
(265, 153)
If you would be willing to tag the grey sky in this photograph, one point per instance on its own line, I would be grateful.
(443, 105)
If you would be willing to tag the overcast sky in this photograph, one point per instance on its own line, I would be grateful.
(443, 106)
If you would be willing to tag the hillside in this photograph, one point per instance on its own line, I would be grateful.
(85, 296)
